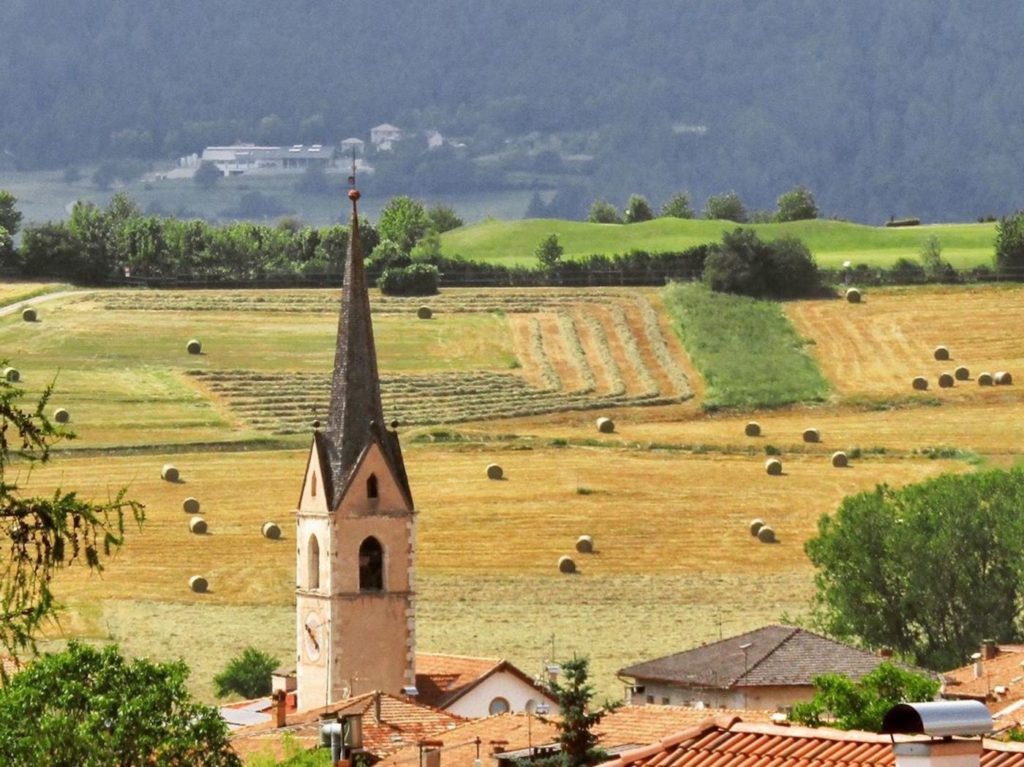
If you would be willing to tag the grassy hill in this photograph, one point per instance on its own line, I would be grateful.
(831, 242)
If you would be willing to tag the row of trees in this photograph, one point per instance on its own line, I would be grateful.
(795, 205)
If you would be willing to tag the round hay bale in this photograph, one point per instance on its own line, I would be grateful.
(494, 471)
(190, 505)
(28, 314)
(853, 295)
(197, 525)
(962, 373)
(170, 473)
(840, 460)
(605, 425)
(920, 383)
(424, 313)
(1002, 378)
(752, 429)
(61, 415)
(946, 381)
(766, 535)
(773, 466)
(198, 584)
(812, 435)
(566, 564)
(194, 346)
(12, 375)
(585, 544)
(271, 530)
(755, 526)
(985, 379)
(941, 353)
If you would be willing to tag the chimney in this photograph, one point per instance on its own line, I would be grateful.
(885, 652)
(280, 699)
(989, 649)
(938, 753)
(976, 657)
(498, 746)
(966, 721)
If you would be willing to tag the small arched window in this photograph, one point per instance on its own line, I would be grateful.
(371, 486)
(314, 485)
(313, 563)
(371, 565)
(498, 706)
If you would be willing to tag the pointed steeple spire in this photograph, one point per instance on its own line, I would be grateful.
(356, 416)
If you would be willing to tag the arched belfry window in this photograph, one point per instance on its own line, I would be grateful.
(371, 486)
(313, 563)
(371, 565)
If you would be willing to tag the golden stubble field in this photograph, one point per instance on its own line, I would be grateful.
(667, 497)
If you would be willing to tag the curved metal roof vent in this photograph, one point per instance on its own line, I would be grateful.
(939, 719)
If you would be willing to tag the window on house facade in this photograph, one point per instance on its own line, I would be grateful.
(498, 706)
(371, 565)
(371, 487)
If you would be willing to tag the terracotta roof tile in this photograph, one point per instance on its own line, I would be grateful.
(1004, 670)
(443, 679)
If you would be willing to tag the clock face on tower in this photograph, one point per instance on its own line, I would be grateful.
(313, 635)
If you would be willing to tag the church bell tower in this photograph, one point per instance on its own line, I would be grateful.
(354, 591)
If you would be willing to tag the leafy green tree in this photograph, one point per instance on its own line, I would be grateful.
(725, 207)
(928, 570)
(1010, 245)
(936, 268)
(576, 727)
(428, 249)
(86, 706)
(549, 252)
(846, 704)
(412, 280)
(207, 175)
(638, 209)
(443, 219)
(387, 255)
(247, 674)
(10, 216)
(677, 206)
(603, 212)
(744, 264)
(796, 205)
(403, 221)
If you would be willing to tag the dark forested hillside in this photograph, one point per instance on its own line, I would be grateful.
(909, 108)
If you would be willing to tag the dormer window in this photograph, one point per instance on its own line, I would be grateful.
(371, 565)
(371, 487)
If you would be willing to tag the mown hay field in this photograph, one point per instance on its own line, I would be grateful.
(506, 377)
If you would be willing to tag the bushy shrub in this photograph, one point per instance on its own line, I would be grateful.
(726, 207)
(907, 272)
(746, 265)
(603, 212)
(638, 209)
(414, 280)
(796, 205)
(677, 206)
(1010, 245)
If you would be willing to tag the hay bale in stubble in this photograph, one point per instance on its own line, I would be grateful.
(946, 381)
(190, 505)
(566, 565)
(755, 526)
(941, 353)
(766, 535)
(605, 425)
(494, 471)
(198, 525)
(28, 314)
(752, 429)
(585, 544)
(198, 584)
(271, 530)
(840, 459)
(194, 346)
(920, 383)
(962, 373)
(853, 295)
(424, 313)
(812, 435)
(1002, 378)
(11, 375)
(61, 415)
(985, 379)
(170, 473)
(773, 466)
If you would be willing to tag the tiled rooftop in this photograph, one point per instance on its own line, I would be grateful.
(1000, 685)
(441, 679)
(774, 655)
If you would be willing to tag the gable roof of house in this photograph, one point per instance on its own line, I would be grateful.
(443, 679)
(626, 726)
(401, 722)
(730, 741)
(774, 656)
(1000, 686)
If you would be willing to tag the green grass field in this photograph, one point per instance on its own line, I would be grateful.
(831, 242)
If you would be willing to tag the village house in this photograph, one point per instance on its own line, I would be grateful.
(768, 668)
(477, 687)
(995, 676)
(237, 159)
(384, 136)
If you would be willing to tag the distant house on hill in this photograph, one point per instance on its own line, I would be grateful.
(475, 687)
(383, 136)
(237, 159)
(770, 667)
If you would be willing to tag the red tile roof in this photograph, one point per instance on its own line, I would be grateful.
(443, 679)
(774, 655)
(1004, 671)
(729, 741)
